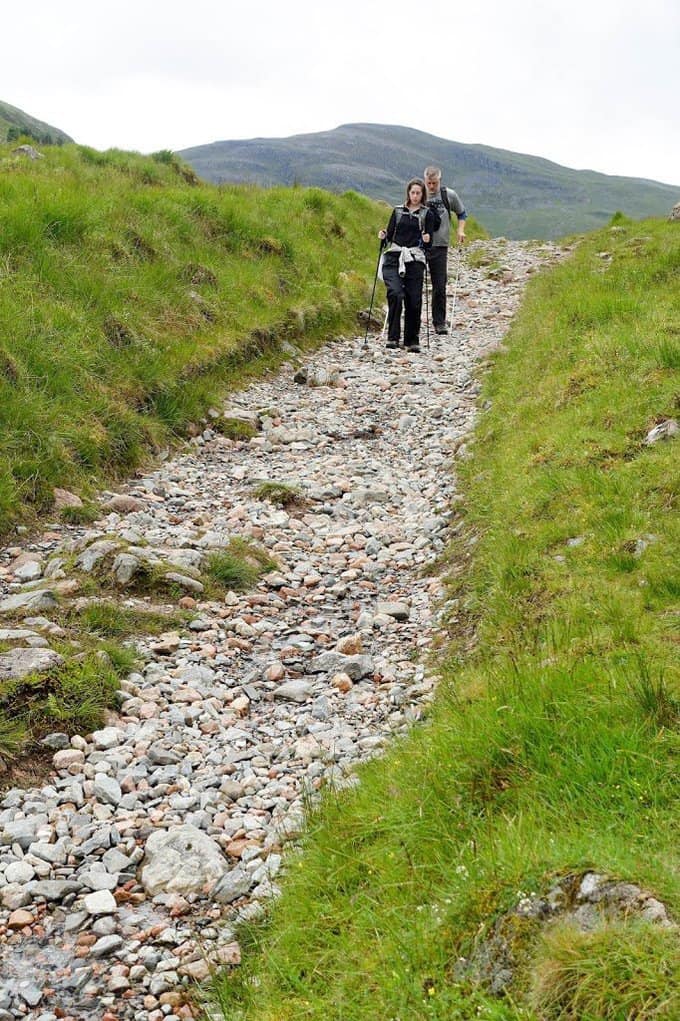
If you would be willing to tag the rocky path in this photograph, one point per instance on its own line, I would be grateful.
(122, 877)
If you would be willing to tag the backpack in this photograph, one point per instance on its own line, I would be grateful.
(445, 198)
(422, 213)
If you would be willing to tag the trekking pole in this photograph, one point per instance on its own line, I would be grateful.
(455, 288)
(384, 329)
(375, 281)
(427, 311)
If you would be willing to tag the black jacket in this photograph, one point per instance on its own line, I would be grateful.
(406, 228)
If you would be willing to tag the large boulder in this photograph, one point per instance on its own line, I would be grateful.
(28, 150)
(675, 212)
(181, 860)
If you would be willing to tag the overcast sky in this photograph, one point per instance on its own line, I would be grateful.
(588, 83)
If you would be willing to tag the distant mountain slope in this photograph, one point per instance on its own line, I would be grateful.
(512, 194)
(13, 118)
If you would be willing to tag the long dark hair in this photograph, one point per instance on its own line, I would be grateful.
(418, 181)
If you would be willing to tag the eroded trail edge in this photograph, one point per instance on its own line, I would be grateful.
(121, 877)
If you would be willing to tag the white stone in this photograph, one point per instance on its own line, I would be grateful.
(19, 872)
(107, 738)
(101, 902)
(181, 860)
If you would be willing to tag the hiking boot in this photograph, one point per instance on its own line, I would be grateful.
(391, 344)
(442, 329)
(412, 347)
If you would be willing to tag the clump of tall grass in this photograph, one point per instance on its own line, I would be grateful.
(619, 971)
(12, 739)
(80, 515)
(239, 566)
(234, 428)
(72, 697)
(107, 619)
(281, 493)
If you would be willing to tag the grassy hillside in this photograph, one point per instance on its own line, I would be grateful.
(553, 747)
(15, 122)
(512, 194)
(130, 294)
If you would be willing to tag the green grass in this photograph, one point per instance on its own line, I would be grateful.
(234, 428)
(74, 696)
(69, 698)
(552, 748)
(620, 972)
(239, 566)
(132, 296)
(481, 257)
(281, 493)
(84, 515)
(103, 619)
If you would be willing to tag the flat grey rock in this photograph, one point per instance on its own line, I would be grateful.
(400, 611)
(294, 691)
(54, 889)
(20, 831)
(107, 790)
(189, 584)
(230, 887)
(38, 599)
(356, 667)
(106, 945)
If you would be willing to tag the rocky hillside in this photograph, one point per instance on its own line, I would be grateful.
(14, 123)
(512, 194)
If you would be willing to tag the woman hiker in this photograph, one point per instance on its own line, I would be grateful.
(410, 229)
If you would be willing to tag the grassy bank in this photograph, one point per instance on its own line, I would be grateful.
(553, 747)
(130, 294)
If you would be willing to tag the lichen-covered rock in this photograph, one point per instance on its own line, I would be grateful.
(663, 431)
(19, 663)
(587, 901)
(181, 860)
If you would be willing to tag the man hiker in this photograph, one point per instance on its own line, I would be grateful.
(444, 201)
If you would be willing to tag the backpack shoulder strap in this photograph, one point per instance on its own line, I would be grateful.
(399, 212)
(445, 198)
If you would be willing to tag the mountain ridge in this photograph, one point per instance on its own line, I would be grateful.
(511, 193)
(14, 121)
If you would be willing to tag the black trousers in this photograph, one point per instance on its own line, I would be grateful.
(406, 292)
(436, 263)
